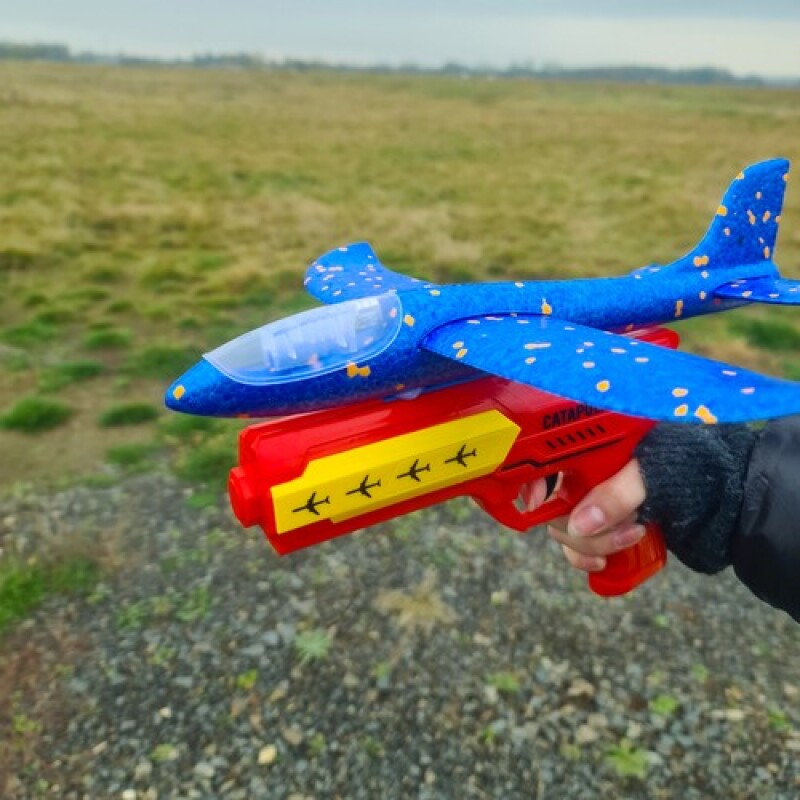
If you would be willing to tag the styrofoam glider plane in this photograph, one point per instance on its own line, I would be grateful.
(383, 335)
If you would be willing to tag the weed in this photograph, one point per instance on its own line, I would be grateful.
(164, 752)
(372, 747)
(24, 587)
(35, 414)
(162, 656)
(133, 456)
(627, 761)
(312, 646)
(195, 605)
(317, 745)
(208, 464)
(61, 375)
(247, 680)
(128, 414)
(161, 362)
(133, 615)
(664, 705)
(200, 500)
(107, 339)
(504, 682)
(778, 720)
(768, 334)
(29, 334)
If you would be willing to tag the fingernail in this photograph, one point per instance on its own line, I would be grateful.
(628, 536)
(596, 564)
(586, 521)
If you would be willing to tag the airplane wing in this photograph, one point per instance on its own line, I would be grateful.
(612, 371)
(348, 273)
(778, 291)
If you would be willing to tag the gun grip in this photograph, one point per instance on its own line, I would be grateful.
(628, 568)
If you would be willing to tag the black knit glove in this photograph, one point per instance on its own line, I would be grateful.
(694, 476)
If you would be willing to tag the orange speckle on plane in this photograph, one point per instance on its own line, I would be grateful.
(461, 353)
(409, 320)
(353, 371)
(751, 217)
(722, 211)
(766, 216)
(705, 415)
(682, 411)
(700, 261)
(766, 252)
(679, 308)
(179, 391)
(680, 392)
(547, 309)
(603, 386)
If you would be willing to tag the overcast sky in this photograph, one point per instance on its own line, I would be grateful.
(744, 36)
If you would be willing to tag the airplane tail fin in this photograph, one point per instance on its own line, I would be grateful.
(745, 227)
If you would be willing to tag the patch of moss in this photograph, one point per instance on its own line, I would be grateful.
(61, 375)
(35, 415)
(128, 414)
(107, 339)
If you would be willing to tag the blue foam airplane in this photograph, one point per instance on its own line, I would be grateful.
(385, 335)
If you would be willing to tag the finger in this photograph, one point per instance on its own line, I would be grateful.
(534, 494)
(582, 562)
(603, 544)
(610, 503)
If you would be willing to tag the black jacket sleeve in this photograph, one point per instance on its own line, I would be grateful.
(766, 541)
(730, 496)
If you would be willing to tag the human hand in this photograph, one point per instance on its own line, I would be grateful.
(604, 521)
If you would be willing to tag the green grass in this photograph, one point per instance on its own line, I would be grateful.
(311, 646)
(128, 414)
(31, 333)
(182, 237)
(35, 415)
(134, 456)
(60, 376)
(208, 463)
(161, 362)
(108, 339)
(24, 587)
(768, 334)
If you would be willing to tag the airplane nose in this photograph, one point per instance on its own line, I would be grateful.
(197, 391)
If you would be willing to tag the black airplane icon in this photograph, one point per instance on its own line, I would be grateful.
(364, 487)
(462, 455)
(414, 471)
(311, 504)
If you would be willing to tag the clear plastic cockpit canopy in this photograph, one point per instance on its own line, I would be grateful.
(311, 343)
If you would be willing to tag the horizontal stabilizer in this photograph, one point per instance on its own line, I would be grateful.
(352, 272)
(614, 372)
(779, 291)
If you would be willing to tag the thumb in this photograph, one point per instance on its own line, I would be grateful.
(610, 503)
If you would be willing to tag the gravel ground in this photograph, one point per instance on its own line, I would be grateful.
(462, 661)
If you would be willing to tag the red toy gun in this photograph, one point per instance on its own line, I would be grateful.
(311, 477)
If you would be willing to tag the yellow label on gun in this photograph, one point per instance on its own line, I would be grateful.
(373, 476)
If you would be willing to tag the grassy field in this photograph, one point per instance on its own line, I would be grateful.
(147, 215)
